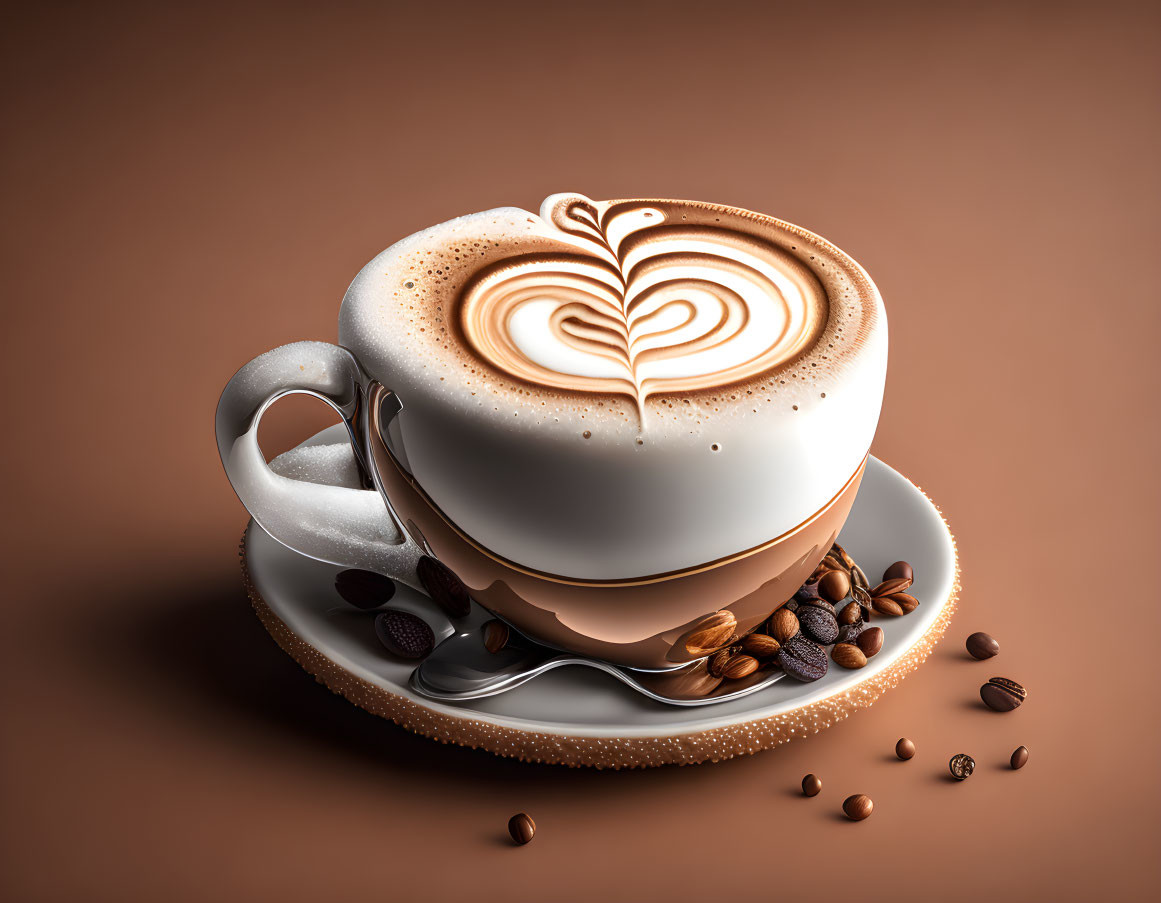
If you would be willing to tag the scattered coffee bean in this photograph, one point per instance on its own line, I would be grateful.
(981, 646)
(870, 640)
(496, 635)
(739, 666)
(848, 655)
(760, 645)
(1019, 757)
(444, 587)
(849, 633)
(905, 749)
(900, 569)
(404, 634)
(522, 828)
(858, 807)
(811, 785)
(364, 589)
(783, 625)
(851, 613)
(802, 659)
(962, 766)
(818, 624)
(1002, 695)
(834, 586)
(884, 605)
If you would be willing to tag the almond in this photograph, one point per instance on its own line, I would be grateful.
(905, 601)
(760, 645)
(870, 641)
(716, 664)
(740, 666)
(851, 613)
(783, 625)
(711, 633)
(892, 586)
(848, 655)
(885, 605)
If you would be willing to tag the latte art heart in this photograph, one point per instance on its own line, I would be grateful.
(645, 305)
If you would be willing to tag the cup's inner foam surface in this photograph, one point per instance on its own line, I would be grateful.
(645, 304)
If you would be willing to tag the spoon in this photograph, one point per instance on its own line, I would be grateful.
(461, 668)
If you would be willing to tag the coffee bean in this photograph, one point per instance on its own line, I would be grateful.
(849, 633)
(1002, 695)
(818, 625)
(981, 646)
(905, 749)
(364, 589)
(821, 604)
(404, 634)
(444, 587)
(851, 613)
(834, 586)
(900, 569)
(806, 593)
(783, 625)
(811, 785)
(858, 807)
(522, 828)
(870, 640)
(496, 635)
(962, 766)
(802, 659)
(1020, 757)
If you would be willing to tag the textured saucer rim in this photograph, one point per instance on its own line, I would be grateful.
(743, 736)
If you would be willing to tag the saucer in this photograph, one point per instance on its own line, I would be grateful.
(577, 716)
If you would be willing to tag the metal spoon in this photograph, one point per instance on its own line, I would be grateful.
(462, 668)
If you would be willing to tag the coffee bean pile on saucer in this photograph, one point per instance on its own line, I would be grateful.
(796, 636)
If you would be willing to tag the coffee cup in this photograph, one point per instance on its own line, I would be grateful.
(631, 428)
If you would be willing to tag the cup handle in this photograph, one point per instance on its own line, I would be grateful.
(348, 527)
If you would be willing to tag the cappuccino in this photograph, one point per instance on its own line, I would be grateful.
(622, 389)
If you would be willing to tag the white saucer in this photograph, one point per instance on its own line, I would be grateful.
(577, 716)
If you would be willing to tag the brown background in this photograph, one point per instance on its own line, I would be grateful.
(183, 190)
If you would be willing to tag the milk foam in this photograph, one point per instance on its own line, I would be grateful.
(651, 304)
(691, 381)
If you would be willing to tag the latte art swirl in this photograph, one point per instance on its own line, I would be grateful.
(648, 303)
